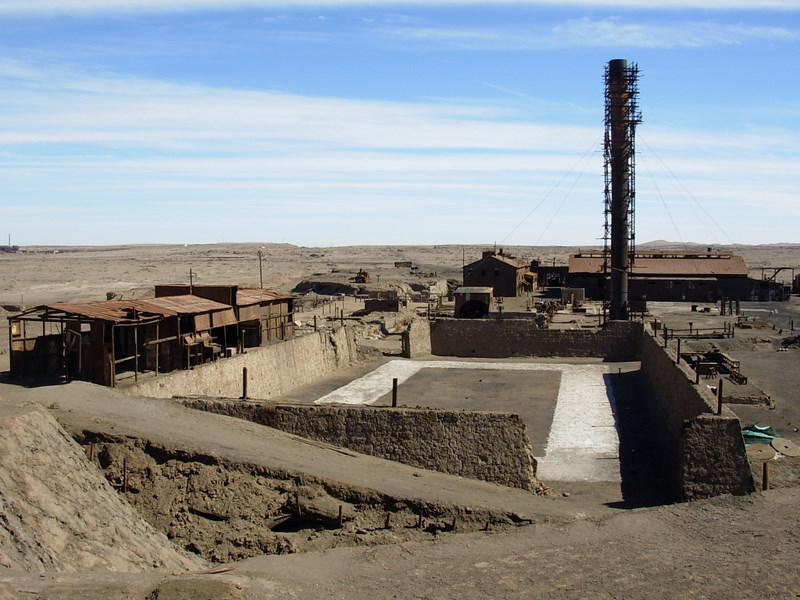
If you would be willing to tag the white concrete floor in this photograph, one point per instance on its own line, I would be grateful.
(583, 444)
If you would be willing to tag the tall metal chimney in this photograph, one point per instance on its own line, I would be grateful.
(621, 117)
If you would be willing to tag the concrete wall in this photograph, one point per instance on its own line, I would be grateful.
(417, 339)
(705, 452)
(479, 445)
(502, 338)
(271, 370)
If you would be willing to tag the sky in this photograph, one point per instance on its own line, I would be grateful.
(344, 122)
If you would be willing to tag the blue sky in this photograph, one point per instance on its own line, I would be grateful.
(370, 122)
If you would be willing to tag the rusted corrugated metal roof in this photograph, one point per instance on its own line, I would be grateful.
(678, 264)
(178, 305)
(118, 311)
(256, 296)
(107, 310)
(514, 262)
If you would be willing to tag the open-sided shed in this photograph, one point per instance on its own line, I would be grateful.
(262, 315)
(104, 341)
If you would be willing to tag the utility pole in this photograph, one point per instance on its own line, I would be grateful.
(260, 272)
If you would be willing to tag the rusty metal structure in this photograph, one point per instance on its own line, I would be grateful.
(111, 341)
(621, 117)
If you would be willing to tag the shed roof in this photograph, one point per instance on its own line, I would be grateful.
(256, 296)
(502, 258)
(118, 311)
(474, 290)
(668, 263)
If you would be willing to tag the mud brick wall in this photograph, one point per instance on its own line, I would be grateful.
(705, 452)
(271, 370)
(503, 338)
(479, 445)
(417, 339)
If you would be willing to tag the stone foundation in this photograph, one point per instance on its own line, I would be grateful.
(479, 445)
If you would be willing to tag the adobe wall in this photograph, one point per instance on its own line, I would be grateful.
(479, 445)
(271, 370)
(705, 451)
(417, 339)
(504, 338)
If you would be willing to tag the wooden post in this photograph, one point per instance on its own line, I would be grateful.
(340, 517)
(696, 371)
(394, 392)
(113, 360)
(136, 353)
(158, 337)
(315, 322)
(665, 336)
(765, 476)
(419, 520)
(690, 327)
(678, 353)
(719, 397)
(260, 272)
(387, 524)
(124, 475)
(244, 383)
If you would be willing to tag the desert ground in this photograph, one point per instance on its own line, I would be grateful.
(582, 540)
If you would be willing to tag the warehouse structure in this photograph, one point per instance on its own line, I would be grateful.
(506, 275)
(107, 341)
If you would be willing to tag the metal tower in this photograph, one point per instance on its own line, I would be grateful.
(621, 117)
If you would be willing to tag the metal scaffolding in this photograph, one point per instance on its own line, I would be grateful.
(621, 117)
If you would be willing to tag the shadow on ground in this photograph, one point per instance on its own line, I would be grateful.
(646, 478)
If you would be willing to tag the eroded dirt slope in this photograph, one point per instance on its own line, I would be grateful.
(58, 513)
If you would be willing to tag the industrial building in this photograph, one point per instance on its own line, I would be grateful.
(106, 341)
(506, 275)
(690, 276)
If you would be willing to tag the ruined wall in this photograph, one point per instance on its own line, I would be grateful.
(479, 445)
(271, 370)
(706, 452)
(417, 339)
(502, 338)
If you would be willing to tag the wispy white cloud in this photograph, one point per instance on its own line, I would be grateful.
(49, 7)
(50, 106)
(601, 33)
(100, 140)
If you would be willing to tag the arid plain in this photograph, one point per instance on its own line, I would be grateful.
(731, 546)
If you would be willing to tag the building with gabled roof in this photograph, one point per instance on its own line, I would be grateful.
(673, 276)
(506, 275)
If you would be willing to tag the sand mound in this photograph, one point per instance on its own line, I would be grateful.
(58, 513)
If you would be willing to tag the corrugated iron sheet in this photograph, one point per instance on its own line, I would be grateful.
(506, 260)
(672, 264)
(256, 296)
(179, 305)
(108, 310)
(223, 317)
(118, 311)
